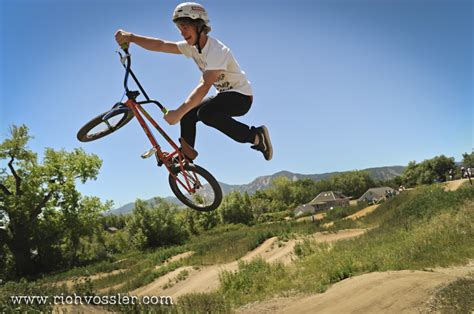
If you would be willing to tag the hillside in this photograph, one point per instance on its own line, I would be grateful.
(264, 182)
(410, 254)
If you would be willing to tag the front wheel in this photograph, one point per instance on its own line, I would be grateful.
(195, 187)
(100, 127)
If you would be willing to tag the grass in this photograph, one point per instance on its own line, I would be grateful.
(181, 276)
(229, 243)
(424, 228)
(342, 212)
(418, 229)
(456, 297)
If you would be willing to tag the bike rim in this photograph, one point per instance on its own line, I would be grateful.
(106, 126)
(195, 188)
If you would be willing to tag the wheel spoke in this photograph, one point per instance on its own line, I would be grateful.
(205, 195)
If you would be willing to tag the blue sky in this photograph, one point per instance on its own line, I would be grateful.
(341, 85)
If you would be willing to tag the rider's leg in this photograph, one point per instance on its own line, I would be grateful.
(188, 126)
(219, 111)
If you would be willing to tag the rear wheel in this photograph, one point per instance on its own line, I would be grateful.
(98, 127)
(206, 193)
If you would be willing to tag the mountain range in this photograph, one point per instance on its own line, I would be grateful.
(264, 182)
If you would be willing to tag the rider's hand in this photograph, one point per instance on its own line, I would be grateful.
(122, 37)
(172, 117)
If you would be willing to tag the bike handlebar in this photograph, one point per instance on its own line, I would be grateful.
(128, 71)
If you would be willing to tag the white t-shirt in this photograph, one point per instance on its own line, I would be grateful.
(217, 56)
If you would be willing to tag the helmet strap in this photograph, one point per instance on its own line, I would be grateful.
(198, 41)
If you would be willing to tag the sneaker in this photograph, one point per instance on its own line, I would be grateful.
(264, 145)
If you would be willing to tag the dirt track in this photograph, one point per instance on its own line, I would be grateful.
(70, 283)
(362, 212)
(388, 292)
(206, 279)
(454, 185)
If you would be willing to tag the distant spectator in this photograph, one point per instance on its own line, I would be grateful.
(451, 174)
(469, 174)
(463, 173)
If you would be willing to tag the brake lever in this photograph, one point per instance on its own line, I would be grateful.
(123, 59)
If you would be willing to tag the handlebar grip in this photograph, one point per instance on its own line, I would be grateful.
(164, 110)
(125, 47)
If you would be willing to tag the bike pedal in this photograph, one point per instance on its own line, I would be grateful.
(148, 153)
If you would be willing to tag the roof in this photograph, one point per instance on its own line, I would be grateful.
(328, 196)
(306, 208)
(376, 192)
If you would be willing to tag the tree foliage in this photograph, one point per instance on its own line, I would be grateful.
(428, 171)
(236, 208)
(155, 225)
(468, 160)
(44, 214)
(352, 183)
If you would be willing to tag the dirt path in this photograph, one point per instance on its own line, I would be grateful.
(76, 309)
(206, 279)
(70, 282)
(454, 185)
(328, 237)
(310, 218)
(362, 212)
(388, 292)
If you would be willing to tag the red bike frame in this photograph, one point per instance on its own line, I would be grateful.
(163, 157)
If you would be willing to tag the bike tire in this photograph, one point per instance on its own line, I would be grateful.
(211, 202)
(116, 120)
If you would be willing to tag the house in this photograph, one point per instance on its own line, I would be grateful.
(376, 195)
(329, 199)
(324, 200)
(112, 229)
(304, 209)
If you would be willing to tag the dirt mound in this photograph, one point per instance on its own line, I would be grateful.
(328, 237)
(176, 258)
(273, 250)
(362, 212)
(158, 285)
(76, 309)
(70, 282)
(454, 185)
(206, 279)
(393, 291)
(313, 217)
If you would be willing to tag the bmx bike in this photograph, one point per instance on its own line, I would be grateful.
(193, 185)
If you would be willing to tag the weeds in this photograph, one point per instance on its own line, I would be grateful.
(457, 297)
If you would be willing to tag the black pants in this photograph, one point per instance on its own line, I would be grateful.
(217, 111)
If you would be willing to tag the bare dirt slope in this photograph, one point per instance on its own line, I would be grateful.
(206, 278)
(310, 218)
(70, 282)
(76, 309)
(388, 292)
(454, 185)
(362, 212)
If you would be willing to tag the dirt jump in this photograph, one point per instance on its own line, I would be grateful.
(206, 278)
(403, 291)
(454, 185)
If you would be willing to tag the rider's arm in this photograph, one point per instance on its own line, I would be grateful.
(149, 43)
(208, 78)
(155, 44)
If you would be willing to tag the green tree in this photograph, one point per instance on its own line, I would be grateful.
(155, 225)
(40, 200)
(428, 171)
(468, 160)
(441, 165)
(410, 174)
(236, 208)
(352, 183)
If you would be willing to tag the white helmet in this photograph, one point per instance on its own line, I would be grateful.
(191, 10)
